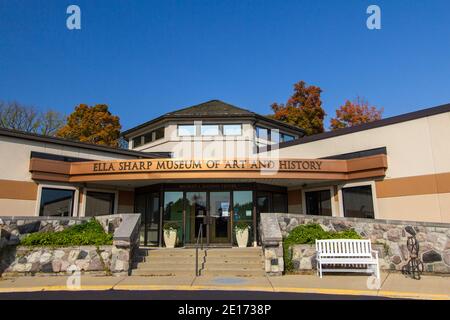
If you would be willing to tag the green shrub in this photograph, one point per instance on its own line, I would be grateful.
(308, 234)
(171, 226)
(89, 233)
(241, 225)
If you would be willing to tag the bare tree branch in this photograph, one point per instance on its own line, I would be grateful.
(27, 118)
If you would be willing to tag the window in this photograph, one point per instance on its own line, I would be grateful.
(173, 210)
(279, 203)
(137, 142)
(286, 137)
(262, 133)
(318, 202)
(232, 129)
(148, 137)
(210, 130)
(56, 202)
(358, 202)
(186, 130)
(153, 135)
(275, 136)
(99, 203)
(159, 133)
(243, 210)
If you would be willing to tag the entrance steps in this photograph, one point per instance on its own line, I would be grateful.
(245, 262)
(165, 262)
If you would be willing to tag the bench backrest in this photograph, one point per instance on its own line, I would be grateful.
(344, 247)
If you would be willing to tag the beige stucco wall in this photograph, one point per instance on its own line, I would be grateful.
(15, 207)
(418, 147)
(14, 173)
(15, 156)
(444, 205)
(417, 208)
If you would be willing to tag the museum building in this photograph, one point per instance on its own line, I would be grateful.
(214, 165)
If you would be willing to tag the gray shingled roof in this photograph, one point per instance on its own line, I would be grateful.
(82, 145)
(213, 109)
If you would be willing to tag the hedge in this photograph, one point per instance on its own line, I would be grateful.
(308, 234)
(88, 233)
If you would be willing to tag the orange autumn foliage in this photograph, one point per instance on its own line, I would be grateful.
(303, 109)
(354, 113)
(92, 124)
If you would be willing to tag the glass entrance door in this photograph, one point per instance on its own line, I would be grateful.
(195, 215)
(148, 206)
(219, 217)
(243, 212)
(173, 212)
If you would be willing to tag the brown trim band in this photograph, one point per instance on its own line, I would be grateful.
(157, 169)
(18, 190)
(414, 186)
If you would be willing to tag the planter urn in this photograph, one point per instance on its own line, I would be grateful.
(242, 237)
(170, 238)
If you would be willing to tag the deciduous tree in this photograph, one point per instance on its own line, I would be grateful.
(92, 124)
(15, 116)
(355, 112)
(303, 109)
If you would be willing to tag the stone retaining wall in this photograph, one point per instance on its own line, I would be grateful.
(388, 237)
(31, 260)
(114, 259)
(13, 229)
(304, 257)
(272, 244)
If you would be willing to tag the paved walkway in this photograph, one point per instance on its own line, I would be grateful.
(392, 284)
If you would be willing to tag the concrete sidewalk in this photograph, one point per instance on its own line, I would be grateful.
(392, 284)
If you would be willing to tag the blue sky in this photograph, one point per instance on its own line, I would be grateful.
(145, 58)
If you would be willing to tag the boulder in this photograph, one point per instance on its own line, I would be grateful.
(431, 256)
(394, 235)
(446, 256)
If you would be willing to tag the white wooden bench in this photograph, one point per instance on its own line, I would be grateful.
(342, 254)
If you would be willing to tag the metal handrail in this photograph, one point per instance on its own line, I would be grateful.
(199, 239)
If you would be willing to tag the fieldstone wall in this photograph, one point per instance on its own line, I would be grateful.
(114, 259)
(272, 244)
(13, 229)
(304, 257)
(388, 237)
(32, 260)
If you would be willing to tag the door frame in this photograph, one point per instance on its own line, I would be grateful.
(323, 188)
(230, 215)
(148, 205)
(208, 219)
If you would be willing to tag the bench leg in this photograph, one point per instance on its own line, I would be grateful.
(377, 270)
(317, 267)
(320, 270)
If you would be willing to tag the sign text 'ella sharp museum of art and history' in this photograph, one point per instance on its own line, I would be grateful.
(229, 164)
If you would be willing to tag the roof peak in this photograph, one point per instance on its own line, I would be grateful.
(213, 107)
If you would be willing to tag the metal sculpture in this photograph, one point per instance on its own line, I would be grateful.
(414, 266)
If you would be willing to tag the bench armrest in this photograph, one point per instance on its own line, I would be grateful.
(375, 253)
